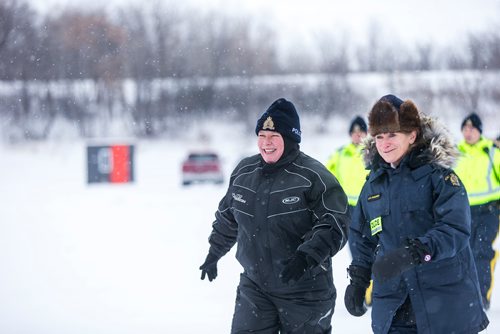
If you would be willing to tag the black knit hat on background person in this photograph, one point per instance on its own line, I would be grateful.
(391, 114)
(474, 120)
(358, 123)
(281, 117)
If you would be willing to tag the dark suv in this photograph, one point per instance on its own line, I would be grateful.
(202, 167)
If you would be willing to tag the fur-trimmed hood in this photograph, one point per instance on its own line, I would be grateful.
(437, 148)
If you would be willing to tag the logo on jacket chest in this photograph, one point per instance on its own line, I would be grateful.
(238, 197)
(290, 200)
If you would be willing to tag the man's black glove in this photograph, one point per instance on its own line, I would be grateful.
(209, 267)
(398, 260)
(354, 297)
(295, 267)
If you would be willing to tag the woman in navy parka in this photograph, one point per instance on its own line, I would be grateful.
(410, 229)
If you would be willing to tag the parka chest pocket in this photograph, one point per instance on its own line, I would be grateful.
(418, 193)
(418, 198)
(417, 206)
(375, 209)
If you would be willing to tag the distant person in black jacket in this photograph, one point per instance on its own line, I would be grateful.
(288, 214)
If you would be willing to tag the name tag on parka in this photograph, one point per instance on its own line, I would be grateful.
(376, 225)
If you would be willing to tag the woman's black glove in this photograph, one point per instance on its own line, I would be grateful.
(209, 267)
(398, 260)
(354, 297)
(295, 267)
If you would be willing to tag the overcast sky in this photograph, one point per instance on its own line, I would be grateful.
(409, 21)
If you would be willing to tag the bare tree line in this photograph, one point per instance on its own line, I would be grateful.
(154, 69)
(163, 41)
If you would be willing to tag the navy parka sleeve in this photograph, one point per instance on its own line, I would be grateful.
(451, 230)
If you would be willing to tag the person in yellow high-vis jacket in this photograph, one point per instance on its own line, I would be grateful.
(479, 169)
(347, 164)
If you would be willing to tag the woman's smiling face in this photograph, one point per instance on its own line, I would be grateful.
(271, 145)
(392, 146)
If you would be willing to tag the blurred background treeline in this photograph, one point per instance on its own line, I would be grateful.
(153, 71)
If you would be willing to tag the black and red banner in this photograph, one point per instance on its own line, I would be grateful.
(110, 163)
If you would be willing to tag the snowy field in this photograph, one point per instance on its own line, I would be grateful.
(123, 259)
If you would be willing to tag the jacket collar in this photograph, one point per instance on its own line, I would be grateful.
(290, 153)
(417, 161)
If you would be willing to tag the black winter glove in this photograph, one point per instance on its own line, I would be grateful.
(354, 297)
(209, 267)
(396, 261)
(295, 267)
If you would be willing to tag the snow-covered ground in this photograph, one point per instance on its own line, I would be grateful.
(123, 259)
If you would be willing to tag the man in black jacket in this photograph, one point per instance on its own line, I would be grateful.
(288, 214)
